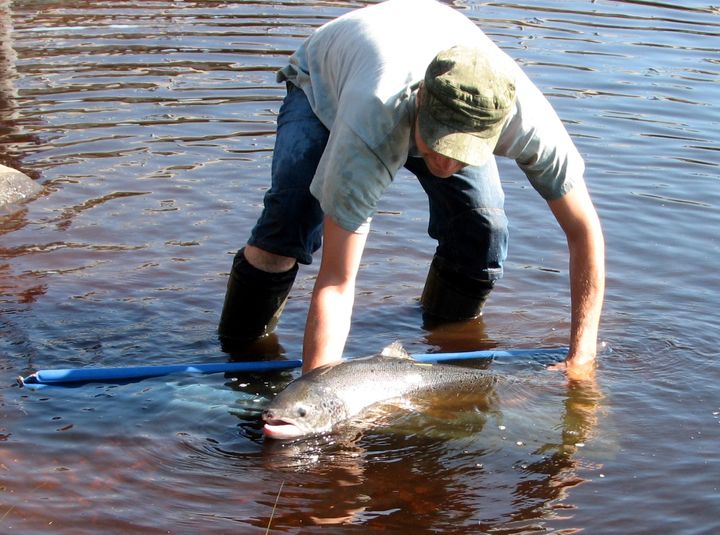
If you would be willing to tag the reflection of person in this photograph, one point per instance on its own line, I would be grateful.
(346, 477)
(366, 96)
(559, 465)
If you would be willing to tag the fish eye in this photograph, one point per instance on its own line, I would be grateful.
(302, 412)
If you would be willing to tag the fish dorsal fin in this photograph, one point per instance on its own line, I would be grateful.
(395, 350)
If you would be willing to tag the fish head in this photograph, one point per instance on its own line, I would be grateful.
(301, 410)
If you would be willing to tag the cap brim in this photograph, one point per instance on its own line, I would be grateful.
(470, 148)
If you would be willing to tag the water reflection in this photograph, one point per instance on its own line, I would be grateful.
(436, 470)
(176, 100)
(12, 134)
(559, 469)
(24, 288)
(468, 335)
(8, 74)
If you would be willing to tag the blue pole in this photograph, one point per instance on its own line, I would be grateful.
(488, 354)
(86, 375)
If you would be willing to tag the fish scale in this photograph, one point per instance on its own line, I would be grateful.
(318, 401)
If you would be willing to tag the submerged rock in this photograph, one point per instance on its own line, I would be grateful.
(16, 187)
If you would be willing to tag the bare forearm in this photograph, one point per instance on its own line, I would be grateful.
(578, 219)
(587, 287)
(328, 324)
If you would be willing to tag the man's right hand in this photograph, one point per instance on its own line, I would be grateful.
(328, 322)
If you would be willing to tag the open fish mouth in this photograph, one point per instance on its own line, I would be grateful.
(282, 429)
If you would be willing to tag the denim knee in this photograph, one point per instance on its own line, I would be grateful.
(467, 218)
(476, 243)
(291, 220)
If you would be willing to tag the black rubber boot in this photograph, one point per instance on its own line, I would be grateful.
(453, 296)
(254, 301)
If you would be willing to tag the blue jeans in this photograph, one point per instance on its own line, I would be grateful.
(466, 210)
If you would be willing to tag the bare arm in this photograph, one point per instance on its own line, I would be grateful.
(577, 216)
(328, 322)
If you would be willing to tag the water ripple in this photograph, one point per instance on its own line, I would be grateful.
(150, 124)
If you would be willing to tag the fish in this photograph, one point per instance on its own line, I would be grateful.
(317, 402)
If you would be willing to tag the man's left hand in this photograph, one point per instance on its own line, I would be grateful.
(580, 368)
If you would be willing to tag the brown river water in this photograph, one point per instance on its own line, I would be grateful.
(150, 127)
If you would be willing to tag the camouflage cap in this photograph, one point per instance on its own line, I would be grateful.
(465, 100)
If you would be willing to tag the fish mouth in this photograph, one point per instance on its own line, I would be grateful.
(282, 429)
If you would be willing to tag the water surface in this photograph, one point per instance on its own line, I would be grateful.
(150, 127)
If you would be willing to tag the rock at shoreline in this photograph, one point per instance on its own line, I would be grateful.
(16, 187)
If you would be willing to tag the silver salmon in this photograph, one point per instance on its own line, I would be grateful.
(321, 399)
